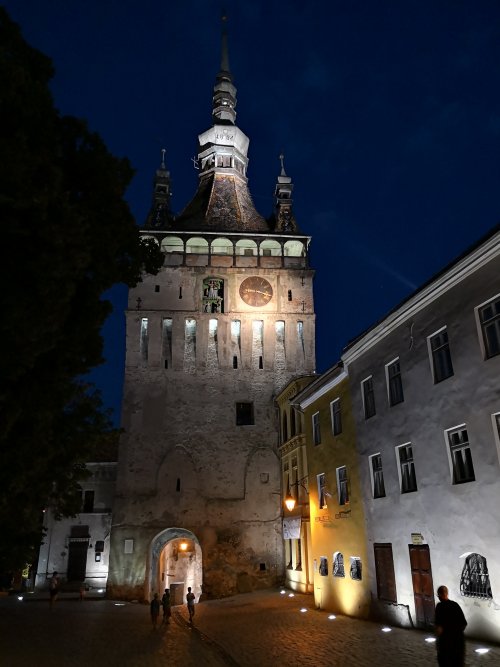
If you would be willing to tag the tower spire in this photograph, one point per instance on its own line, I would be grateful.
(285, 220)
(224, 97)
(160, 214)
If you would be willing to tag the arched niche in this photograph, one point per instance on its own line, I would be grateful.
(197, 246)
(222, 246)
(172, 244)
(294, 248)
(246, 247)
(270, 248)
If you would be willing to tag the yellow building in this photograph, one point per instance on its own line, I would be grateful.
(296, 526)
(337, 522)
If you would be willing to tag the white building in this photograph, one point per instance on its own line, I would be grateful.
(78, 547)
(425, 383)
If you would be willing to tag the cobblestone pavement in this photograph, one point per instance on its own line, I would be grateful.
(263, 629)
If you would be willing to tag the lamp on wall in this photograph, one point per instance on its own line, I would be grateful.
(290, 501)
(183, 546)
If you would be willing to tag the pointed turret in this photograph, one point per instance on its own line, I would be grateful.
(224, 98)
(222, 201)
(160, 214)
(283, 216)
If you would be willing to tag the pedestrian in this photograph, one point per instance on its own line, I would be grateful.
(165, 603)
(53, 588)
(450, 625)
(155, 610)
(190, 604)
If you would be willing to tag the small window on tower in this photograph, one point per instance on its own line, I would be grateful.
(244, 414)
(235, 361)
(157, 288)
(266, 252)
(289, 295)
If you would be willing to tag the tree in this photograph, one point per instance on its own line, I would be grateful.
(69, 236)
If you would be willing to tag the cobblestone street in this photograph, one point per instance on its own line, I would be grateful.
(263, 629)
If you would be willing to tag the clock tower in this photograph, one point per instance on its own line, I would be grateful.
(211, 340)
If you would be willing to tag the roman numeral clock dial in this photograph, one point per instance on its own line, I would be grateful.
(256, 291)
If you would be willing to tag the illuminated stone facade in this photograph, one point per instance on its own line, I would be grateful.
(211, 339)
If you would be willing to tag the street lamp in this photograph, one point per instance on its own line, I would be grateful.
(290, 501)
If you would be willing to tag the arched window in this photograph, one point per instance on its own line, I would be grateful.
(270, 248)
(172, 244)
(475, 580)
(294, 248)
(197, 245)
(222, 246)
(246, 247)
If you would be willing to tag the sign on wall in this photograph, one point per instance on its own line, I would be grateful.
(291, 528)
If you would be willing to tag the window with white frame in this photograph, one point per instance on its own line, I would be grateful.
(316, 429)
(489, 321)
(408, 478)
(394, 382)
(321, 490)
(377, 475)
(336, 416)
(342, 485)
(460, 455)
(440, 355)
(368, 397)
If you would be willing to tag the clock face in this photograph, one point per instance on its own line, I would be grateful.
(256, 291)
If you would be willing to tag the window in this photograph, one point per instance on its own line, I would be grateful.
(384, 569)
(323, 566)
(244, 414)
(321, 491)
(99, 546)
(342, 486)
(298, 555)
(408, 478)
(144, 339)
(355, 569)
(460, 454)
(368, 397)
(336, 417)
(489, 319)
(235, 361)
(157, 288)
(394, 384)
(88, 501)
(338, 564)
(377, 475)
(285, 427)
(290, 548)
(439, 348)
(496, 430)
(316, 429)
(475, 580)
(289, 295)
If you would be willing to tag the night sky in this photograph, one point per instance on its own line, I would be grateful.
(388, 113)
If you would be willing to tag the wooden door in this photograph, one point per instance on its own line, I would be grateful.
(423, 587)
(384, 570)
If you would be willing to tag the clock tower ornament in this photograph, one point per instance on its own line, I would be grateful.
(226, 324)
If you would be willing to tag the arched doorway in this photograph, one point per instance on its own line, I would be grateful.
(175, 563)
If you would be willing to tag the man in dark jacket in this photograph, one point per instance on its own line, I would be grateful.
(450, 625)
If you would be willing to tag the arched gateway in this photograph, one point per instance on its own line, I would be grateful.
(175, 563)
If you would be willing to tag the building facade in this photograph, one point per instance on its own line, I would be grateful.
(211, 339)
(78, 547)
(294, 478)
(426, 399)
(341, 575)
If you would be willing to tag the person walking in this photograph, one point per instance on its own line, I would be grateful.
(54, 584)
(155, 610)
(165, 603)
(190, 604)
(450, 625)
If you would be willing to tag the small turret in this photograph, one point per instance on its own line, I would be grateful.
(160, 215)
(224, 98)
(284, 218)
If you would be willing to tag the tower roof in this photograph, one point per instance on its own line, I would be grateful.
(222, 201)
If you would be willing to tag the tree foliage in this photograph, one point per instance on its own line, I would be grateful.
(68, 236)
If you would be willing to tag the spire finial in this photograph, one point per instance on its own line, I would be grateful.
(163, 151)
(283, 172)
(224, 59)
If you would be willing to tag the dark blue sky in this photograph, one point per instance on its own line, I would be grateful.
(388, 113)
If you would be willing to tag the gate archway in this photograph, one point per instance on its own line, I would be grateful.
(175, 563)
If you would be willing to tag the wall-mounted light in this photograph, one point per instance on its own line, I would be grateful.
(183, 546)
(290, 501)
